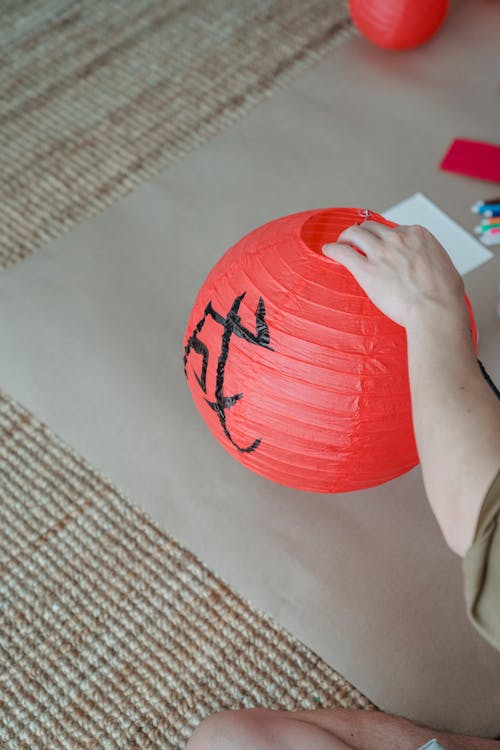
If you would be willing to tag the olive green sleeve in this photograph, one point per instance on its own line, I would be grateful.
(481, 569)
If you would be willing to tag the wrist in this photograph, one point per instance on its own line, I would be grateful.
(448, 325)
(450, 315)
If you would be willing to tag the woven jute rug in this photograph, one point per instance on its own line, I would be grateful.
(111, 634)
(99, 96)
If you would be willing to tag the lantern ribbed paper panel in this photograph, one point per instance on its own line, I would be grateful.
(398, 24)
(295, 371)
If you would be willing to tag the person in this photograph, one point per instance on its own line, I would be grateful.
(456, 415)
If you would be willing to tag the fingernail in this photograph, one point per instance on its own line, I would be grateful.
(326, 248)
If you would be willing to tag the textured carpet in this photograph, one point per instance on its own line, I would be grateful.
(111, 634)
(99, 96)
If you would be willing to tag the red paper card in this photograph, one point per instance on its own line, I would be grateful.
(473, 158)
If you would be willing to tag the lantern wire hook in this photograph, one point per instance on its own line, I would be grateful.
(365, 214)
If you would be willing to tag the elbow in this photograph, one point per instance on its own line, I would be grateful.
(457, 541)
(458, 528)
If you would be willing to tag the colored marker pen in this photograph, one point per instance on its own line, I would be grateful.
(490, 239)
(485, 208)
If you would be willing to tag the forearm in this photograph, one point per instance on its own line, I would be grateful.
(409, 276)
(456, 420)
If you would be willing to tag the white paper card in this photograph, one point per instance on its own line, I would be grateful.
(464, 250)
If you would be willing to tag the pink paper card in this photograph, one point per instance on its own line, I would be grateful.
(474, 159)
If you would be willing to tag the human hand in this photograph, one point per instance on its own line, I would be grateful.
(404, 270)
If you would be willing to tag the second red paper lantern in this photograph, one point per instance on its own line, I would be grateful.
(398, 24)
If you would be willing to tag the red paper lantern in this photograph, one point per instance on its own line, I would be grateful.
(398, 24)
(295, 371)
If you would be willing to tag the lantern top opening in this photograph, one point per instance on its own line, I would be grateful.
(325, 226)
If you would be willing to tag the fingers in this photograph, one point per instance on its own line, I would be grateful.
(363, 236)
(364, 241)
(382, 231)
(346, 255)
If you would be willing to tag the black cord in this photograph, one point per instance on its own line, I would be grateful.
(489, 380)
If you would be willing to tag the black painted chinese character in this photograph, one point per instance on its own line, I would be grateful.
(231, 324)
